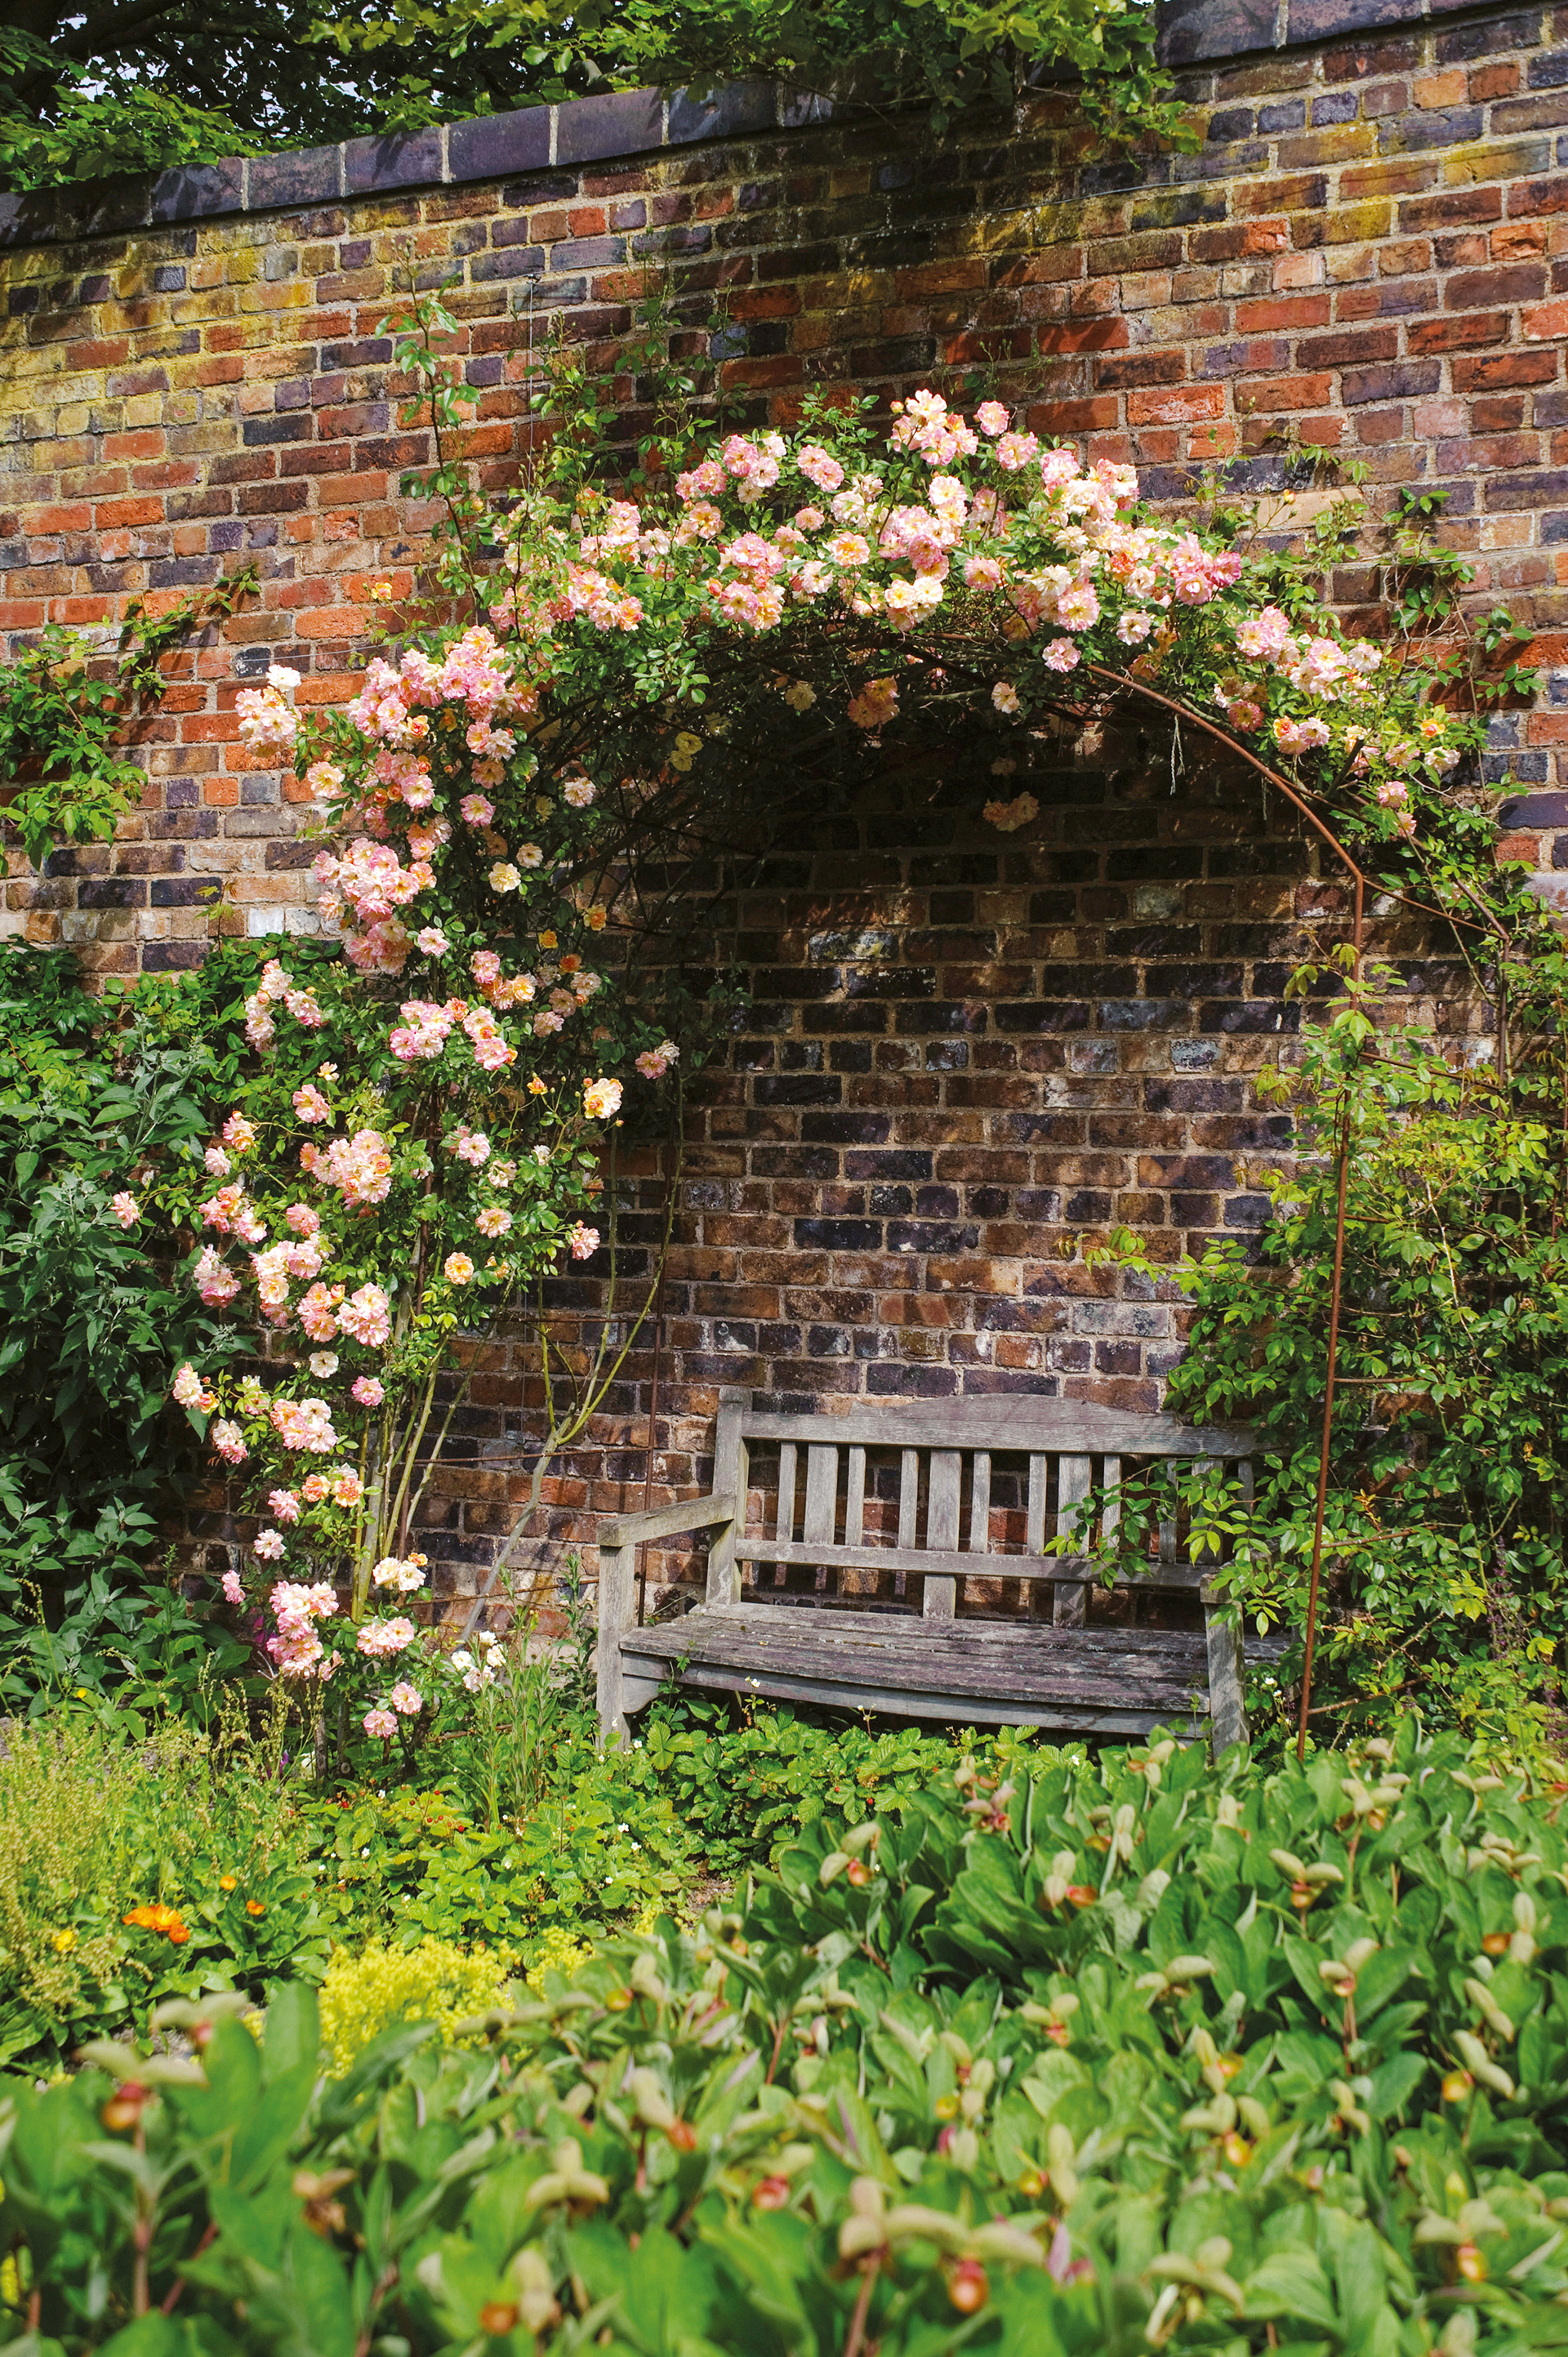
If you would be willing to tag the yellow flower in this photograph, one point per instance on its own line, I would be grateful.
(226, 1882)
(64, 1941)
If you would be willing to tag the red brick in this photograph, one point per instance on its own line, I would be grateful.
(1456, 335)
(1504, 368)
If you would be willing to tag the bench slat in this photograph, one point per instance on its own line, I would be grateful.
(1075, 1479)
(907, 1636)
(944, 1705)
(1077, 1427)
(1067, 1570)
(941, 1528)
(1138, 1682)
(992, 1665)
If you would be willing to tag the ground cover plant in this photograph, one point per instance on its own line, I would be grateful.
(147, 1858)
(136, 1866)
(1131, 2054)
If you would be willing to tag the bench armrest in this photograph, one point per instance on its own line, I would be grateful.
(619, 1541)
(666, 1521)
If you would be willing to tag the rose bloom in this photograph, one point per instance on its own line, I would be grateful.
(458, 1267)
(380, 1723)
(285, 1504)
(314, 1488)
(601, 1099)
(125, 1209)
(233, 1588)
(1004, 696)
(406, 1699)
(269, 1546)
(431, 940)
(494, 1220)
(584, 1242)
(346, 1490)
(368, 1391)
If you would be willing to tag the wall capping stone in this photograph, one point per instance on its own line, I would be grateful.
(622, 124)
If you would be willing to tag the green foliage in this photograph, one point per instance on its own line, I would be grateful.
(92, 128)
(740, 1790)
(364, 1994)
(90, 1326)
(1140, 2055)
(602, 1843)
(65, 703)
(945, 57)
(1443, 1547)
(97, 1821)
(102, 90)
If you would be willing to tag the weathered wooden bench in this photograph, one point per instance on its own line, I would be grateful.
(895, 1597)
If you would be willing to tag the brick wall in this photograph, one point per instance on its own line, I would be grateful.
(963, 1051)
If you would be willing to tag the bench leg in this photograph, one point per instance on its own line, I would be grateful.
(616, 1586)
(1226, 1718)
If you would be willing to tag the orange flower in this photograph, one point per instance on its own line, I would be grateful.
(226, 1882)
(157, 1917)
(254, 1906)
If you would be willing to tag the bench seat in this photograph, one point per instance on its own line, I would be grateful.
(1105, 1682)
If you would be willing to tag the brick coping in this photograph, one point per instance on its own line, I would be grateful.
(624, 124)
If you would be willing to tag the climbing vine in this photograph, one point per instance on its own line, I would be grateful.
(65, 703)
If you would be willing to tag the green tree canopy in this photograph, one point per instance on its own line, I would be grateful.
(136, 85)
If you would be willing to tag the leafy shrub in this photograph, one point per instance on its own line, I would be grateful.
(90, 1327)
(382, 1988)
(408, 1866)
(609, 1842)
(1131, 2055)
(94, 1832)
(741, 1789)
(1444, 1548)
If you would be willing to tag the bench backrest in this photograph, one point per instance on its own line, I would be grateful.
(902, 1490)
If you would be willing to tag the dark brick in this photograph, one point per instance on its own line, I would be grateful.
(393, 159)
(838, 1235)
(494, 145)
(744, 106)
(626, 124)
(195, 191)
(1405, 381)
(304, 175)
(1320, 20)
(1195, 31)
(1534, 810)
